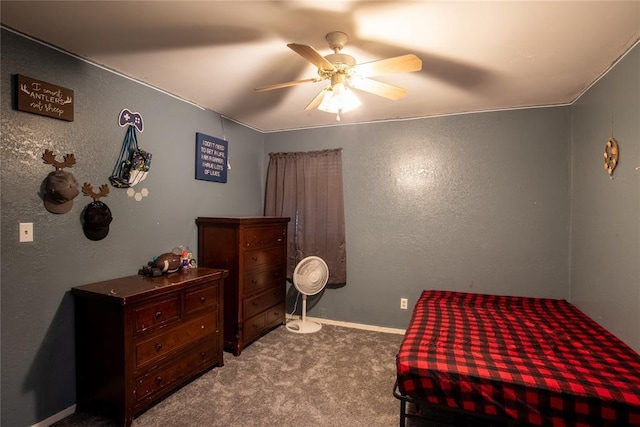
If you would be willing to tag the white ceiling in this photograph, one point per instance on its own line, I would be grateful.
(477, 55)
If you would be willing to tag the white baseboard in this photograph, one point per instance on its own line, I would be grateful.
(350, 325)
(56, 417)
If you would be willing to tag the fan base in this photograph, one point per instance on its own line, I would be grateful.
(303, 327)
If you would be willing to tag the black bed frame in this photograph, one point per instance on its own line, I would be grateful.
(438, 415)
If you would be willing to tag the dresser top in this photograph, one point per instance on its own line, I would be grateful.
(126, 290)
(244, 220)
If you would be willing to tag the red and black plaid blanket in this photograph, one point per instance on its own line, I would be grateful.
(539, 361)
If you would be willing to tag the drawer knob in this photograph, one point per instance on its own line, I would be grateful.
(158, 379)
(159, 346)
(255, 303)
(203, 354)
(202, 300)
(254, 282)
(255, 258)
(158, 314)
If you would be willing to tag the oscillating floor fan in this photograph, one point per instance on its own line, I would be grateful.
(309, 277)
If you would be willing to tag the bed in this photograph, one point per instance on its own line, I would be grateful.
(515, 361)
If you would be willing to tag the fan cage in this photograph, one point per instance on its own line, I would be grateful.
(310, 275)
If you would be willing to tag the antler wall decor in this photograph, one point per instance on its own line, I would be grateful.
(87, 190)
(50, 159)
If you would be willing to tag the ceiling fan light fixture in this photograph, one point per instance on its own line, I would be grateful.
(344, 73)
(339, 99)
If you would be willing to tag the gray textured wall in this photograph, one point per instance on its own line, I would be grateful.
(38, 377)
(474, 203)
(605, 238)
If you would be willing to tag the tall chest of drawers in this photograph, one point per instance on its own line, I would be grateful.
(254, 251)
(138, 338)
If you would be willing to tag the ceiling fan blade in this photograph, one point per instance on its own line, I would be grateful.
(398, 64)
(286, 84)
(317, 100)
(378, 88)
(311, 55)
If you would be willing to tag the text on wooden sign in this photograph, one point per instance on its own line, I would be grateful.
(45, 99)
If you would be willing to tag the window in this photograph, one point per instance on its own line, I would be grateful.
(307, 187)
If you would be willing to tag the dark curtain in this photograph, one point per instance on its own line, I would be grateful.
(307, 187)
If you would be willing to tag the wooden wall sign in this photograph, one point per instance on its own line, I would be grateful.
(45, 99)
(211, 158)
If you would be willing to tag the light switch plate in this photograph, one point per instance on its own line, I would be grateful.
(26, 232)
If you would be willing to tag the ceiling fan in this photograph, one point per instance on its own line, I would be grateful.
(343, 73)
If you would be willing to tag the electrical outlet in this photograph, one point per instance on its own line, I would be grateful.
(403, 303)
(26, 232)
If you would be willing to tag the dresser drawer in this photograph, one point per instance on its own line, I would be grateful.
(260, 237)
(201, 298)
(263, 257)
(254, 326)
(258, 280)
(157, 313)
(155, 348)
(263, 322)
(275, 314)
(261, 302)
(202, 356)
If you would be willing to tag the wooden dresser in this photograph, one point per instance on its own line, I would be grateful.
(138, 338)
(254, 251)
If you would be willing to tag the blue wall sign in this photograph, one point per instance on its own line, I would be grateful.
(211, 158)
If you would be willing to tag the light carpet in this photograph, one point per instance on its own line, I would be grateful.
(337, 376)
